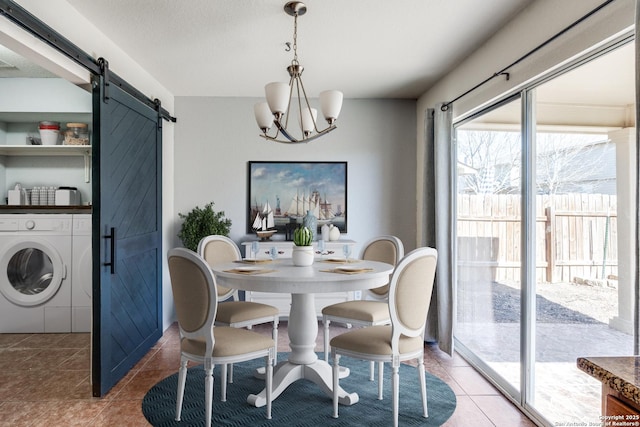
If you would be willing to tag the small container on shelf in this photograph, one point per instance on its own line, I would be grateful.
(49, 132)
(35, 196)
(76, 134)
(43, 196)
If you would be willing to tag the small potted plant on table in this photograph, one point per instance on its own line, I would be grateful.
(302, 254)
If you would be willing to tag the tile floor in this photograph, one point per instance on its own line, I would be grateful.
(44, 381)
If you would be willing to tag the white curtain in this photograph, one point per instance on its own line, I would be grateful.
(438, 217)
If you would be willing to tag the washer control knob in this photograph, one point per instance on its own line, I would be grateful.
(30, 224)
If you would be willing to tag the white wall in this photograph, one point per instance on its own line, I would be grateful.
(216, 137)
(537, 23)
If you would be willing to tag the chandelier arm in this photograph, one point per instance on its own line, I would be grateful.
(283, 131)
(291, 80)
(298, 83)
(304, 92)
(294, 140)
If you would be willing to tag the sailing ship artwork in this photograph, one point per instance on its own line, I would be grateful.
(281, 194)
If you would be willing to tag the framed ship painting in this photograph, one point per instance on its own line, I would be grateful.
(281, 193)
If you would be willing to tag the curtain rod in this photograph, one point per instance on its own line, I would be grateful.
(504, 72)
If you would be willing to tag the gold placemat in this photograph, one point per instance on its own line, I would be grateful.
(354, 271)
(248, 272)
(340, 261)
(253, 261)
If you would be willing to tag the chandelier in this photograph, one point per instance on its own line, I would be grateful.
(278, 108)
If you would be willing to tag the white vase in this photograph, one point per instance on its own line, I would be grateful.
(325, 232)
(302, 256)
(334, 234)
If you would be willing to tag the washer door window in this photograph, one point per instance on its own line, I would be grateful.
(33, 273)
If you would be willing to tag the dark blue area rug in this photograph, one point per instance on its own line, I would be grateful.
(302, 403)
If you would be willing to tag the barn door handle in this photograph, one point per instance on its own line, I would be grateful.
(112, 263)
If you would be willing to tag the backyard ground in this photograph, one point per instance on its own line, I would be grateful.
(597, 302)
(558, 303)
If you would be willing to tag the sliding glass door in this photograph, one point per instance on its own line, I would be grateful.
(544, 234)
(583, 290)
(488, 227)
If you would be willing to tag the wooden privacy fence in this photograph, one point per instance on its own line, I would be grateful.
(576, 237)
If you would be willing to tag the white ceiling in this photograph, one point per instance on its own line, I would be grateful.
(366, 48)
(14, 65)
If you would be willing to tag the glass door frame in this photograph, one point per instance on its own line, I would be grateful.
(523, 398)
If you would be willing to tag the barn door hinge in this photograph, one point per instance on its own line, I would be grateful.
(104, 70)
(158, 105)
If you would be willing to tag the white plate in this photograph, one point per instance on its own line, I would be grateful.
(248, 268)
(255, 260)
(349, 268)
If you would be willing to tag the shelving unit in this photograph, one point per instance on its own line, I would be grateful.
(30, 209)
(45, 150)
(25, 103)
(51, 150)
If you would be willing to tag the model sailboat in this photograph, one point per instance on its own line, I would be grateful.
(264, 223)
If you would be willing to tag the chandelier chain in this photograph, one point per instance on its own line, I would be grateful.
(295, 39)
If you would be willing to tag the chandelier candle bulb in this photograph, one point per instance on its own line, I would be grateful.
(277, 97)
(331, 104)
(308, 122)
(263, 116)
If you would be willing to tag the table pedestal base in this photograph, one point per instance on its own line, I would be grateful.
(303, 362)
(286, 373)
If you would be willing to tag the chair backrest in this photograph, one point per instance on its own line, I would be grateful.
(410, 293)
(194, 294)
(387, 249)
(217, 249)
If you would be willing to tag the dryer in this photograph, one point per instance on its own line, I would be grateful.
(81, 273)
(35, 262)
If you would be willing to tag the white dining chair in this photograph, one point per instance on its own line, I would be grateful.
(410, 291)
(372, 309)
(196, 301)
(217, 249)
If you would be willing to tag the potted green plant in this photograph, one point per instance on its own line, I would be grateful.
(302, 254)
(200, 223)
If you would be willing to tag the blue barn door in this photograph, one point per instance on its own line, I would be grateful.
(127, 224)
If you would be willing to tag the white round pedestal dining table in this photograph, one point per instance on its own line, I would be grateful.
(303, 283)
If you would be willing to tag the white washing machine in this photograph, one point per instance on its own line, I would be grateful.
(81, 276)
(35, 263)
